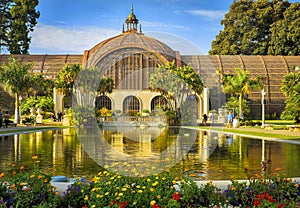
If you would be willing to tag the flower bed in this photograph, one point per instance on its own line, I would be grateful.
(107, 189)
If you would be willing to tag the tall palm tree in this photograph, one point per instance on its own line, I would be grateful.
(15, 78)
(240, 84)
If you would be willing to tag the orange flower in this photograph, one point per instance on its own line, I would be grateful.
(14, 173)
(22, 167)
(13, 186)
(40, 176)
(22, 184)
(13, 165)
(277, 169)
(34, 157)
(193, 175)
(2, 175)
(56, 193)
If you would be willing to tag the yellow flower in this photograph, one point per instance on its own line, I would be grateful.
(143, 187)
(86, 198)
(138, 186)
(124, 189)
(119, 176)
(154, 184)
(148, 180)
(120, 194)
(153, 202)
(140, 191)
(158, 196)
(233, 188)
(163, 178)
(106, 193)
(134, 203)
(32, 176)
(22, 184)
(151, 189)
(93, 206)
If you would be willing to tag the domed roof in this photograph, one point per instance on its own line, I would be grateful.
(130, 41)
(133, 41)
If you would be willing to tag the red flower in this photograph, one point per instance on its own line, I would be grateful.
(155, 206)
(257, 203)
(280, 206)
(123, 205)
(176, 196)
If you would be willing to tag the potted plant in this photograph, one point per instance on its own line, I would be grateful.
(145, 112)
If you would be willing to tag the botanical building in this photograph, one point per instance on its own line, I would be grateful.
(131, 57)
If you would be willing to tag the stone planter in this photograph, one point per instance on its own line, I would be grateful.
(236, 123)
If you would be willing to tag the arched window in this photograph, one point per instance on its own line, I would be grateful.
(131, 104)
(158, 101)
(103, 101)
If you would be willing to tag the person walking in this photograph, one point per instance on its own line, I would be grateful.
(229, 120)
(1, 124)
(6, 119)
(204, 119)
(59, 116)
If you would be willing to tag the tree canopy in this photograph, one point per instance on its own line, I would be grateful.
(66, 78)
(239, 85)
(290, 86)
(15, 77)
(262, 27)
(176, 83)
(17, 18)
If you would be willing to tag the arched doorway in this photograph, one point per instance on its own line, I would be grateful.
(131, 105)
(103, 101)
(159, 102)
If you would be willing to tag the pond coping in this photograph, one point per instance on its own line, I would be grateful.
(61, 187)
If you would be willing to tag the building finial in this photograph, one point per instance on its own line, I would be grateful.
(132, 7)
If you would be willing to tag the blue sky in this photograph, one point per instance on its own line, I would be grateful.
(72, 26)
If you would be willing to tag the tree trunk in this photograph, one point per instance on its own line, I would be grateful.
(240, 107)
(17, 112)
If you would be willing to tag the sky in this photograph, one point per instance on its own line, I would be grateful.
(73, 26)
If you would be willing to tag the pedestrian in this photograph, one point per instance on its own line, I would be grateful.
(204, 119)
(6, 119)
(1, 124)
(212, 118)
(229, 119)
(59, 116)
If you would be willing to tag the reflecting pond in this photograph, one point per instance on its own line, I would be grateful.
(208, 155)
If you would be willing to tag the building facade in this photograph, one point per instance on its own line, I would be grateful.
(131, 57)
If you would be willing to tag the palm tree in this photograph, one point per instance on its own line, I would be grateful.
(240, 84)
(15, 79)
(106, 85)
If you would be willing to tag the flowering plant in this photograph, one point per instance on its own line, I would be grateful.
(23, 189)
(108, 189)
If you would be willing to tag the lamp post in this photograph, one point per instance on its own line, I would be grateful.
(20, 103)
(263, 102)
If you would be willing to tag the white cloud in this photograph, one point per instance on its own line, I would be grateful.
(163, 26)
(48, 38)
(211, 14)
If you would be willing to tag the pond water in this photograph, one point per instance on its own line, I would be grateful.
(208, 155)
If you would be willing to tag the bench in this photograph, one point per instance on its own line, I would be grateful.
(269, 126)
(294, 128)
